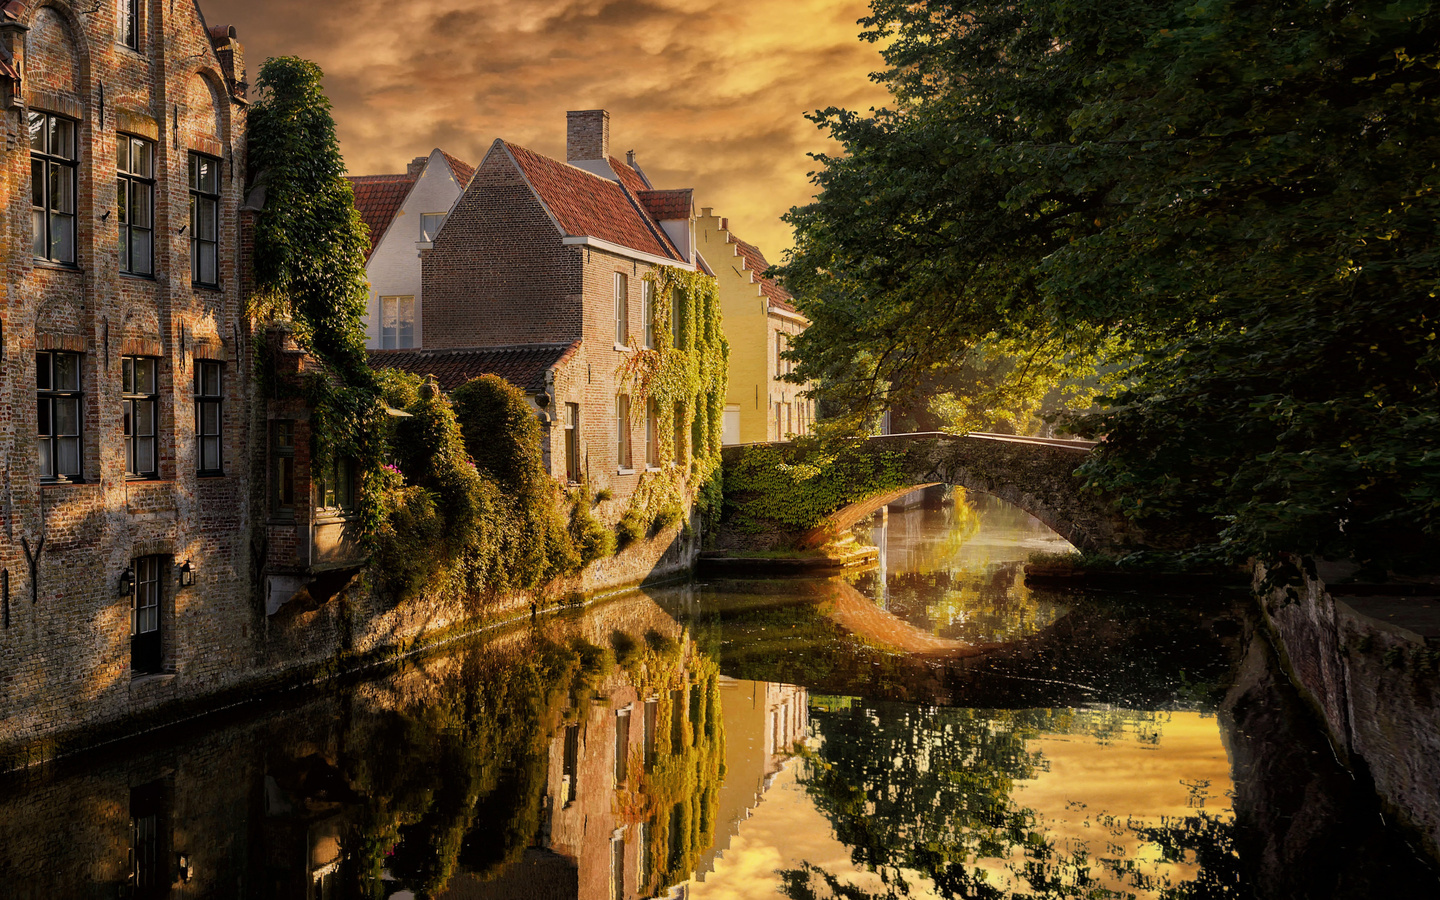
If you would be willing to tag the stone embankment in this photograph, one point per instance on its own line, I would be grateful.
(1367, 657)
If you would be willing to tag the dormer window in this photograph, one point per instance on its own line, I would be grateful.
(430, 225)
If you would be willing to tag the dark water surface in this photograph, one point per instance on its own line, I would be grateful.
(801, 738)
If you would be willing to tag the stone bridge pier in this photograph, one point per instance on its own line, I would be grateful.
(1035, 474)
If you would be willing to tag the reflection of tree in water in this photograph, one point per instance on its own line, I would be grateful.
(927, 792)
(982, 607)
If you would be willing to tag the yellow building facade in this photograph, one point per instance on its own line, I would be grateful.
(760, 321)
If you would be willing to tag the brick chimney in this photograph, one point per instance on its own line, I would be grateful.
(587, 134)
(417, 165)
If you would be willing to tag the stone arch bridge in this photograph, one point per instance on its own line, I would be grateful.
(1035, 474)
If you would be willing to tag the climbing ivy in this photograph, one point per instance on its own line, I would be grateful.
(686, 380)
(310, 249)
(797, 485)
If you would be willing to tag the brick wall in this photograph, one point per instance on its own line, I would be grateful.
(65, 654)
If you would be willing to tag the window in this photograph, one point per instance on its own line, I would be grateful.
(150, 838)
(335, 487)
(697, 428)
(572, 443)
(208, 417)
(397, 323)
(140, 398)
(282, 469)
(146, 647)
(622, 430)
(135, 200)
(677, 319)
(622, 746)
(57, 384)
(622, 309)
(53, 157)
(430, 225)
(617, 868)
(652, 434)
(204, 219)
(570, 765)
(779, 349)
(130, 23)
(647, 311)
(652, 713)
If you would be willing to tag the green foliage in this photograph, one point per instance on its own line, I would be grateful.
(686, 382)
(591, 538)
(453, 526)
(310, 249)
(797, 485)
(1231, 206)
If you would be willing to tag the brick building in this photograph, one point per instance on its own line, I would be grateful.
(761, 321)
(404, 212)
(547, 260)
(124, 551)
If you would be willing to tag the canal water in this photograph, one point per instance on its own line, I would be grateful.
(934, 728)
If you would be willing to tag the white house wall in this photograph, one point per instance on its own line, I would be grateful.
(394, 267)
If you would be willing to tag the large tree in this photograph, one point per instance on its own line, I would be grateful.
(1230, 206)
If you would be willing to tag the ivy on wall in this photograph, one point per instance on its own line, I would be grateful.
(685, 377)
(796, 486)
(310, 249)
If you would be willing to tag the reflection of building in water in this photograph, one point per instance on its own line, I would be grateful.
(763, 722)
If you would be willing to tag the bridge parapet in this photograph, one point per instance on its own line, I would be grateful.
(800, 495)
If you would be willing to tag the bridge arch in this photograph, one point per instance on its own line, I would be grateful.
(1036, 475)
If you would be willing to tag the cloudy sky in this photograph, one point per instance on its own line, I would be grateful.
(710, 95)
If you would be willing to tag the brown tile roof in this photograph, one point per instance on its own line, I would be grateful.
(589, 205)
(462, 170)
(379, 198)
(667, 205)
(755, 262)
(523, 365)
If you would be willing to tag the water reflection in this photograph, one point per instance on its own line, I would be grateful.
(802, 738)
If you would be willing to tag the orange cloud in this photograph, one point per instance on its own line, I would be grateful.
(710, 95)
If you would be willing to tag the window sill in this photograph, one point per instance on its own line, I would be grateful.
(143, 479)
(333, 517)
(623, 348)
(202, 286)
(215, 474)
(139, 276)
(650, 468)
(624, 471)
(52, 265)
(68, 482)
(139, 679)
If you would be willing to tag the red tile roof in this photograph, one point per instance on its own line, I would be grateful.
(668, 205)
(523, 365)
(379, 198)
(755, 261)
(588, 205)
(630, 177)
(462, 170)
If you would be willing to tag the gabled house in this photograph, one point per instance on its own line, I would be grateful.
(761, 322)
(404, 212)
(548, 260)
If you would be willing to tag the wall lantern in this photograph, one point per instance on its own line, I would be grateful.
(187, 574)
(127, 582)
(184, 871)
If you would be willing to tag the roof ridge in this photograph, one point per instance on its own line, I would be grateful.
(561, 162)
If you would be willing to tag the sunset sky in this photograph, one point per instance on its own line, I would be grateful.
(710, 95)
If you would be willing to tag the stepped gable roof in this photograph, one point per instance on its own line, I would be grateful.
(755, 262)
(463, 171)
(523, 365)
(379, 198)
(666, 205)
(585, 204)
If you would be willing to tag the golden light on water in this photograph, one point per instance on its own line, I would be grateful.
(709, 95)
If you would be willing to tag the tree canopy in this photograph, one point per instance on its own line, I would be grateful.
(1228, 207)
